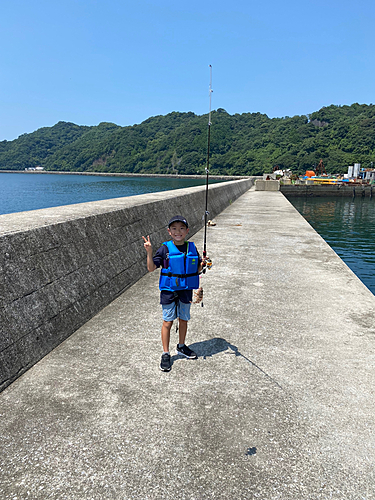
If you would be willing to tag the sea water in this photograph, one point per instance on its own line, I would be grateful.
(21, 192)
(348, 226)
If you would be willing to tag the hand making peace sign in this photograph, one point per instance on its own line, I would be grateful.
(147, 244)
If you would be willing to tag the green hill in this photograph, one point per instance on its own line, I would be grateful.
(242, 144)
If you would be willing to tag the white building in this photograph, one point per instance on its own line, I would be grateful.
(370, 175)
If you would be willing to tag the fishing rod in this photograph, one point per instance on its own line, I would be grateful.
(198, 294)
(207, 169)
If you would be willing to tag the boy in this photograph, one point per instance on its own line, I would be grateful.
(181, 265)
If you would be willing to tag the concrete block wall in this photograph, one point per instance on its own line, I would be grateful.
(349, 190)
(60, 266)
(264, 185)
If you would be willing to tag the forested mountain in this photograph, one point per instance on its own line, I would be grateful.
(243, 144)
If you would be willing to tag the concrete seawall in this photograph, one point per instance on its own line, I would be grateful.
(328, 190)
(60, 266)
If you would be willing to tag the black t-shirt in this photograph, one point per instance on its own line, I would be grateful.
(161, 260)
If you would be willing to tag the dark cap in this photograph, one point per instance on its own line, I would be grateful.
(178, 218)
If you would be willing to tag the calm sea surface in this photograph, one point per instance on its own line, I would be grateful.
(348, 226)
(21, 192)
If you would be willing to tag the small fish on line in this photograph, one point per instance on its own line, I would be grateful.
(198, 295)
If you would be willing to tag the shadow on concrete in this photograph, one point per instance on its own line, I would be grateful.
(210, 347)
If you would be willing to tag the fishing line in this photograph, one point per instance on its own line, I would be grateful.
(207, 169)
(198, 294)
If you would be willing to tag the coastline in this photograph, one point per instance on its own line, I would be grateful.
(125, 174)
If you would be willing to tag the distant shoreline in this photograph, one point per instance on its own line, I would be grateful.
(124, 174)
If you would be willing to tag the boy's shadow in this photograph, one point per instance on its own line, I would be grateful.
(210, 347)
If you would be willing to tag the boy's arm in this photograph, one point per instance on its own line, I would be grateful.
(201, 265)
(150, 263)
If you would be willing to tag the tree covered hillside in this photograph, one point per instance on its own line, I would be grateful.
(242, 144)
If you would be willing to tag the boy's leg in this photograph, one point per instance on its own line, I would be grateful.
(184, 316)
(183, 313)
(166, 334)
(182, 330)
(169, 315)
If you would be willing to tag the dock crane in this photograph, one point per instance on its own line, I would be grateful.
(320, 169)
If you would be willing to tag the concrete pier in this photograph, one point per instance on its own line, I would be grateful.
(279, 404)
(61, 266)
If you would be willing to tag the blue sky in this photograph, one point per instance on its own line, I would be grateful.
(118, 61)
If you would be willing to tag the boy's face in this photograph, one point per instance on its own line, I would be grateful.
(178, 232)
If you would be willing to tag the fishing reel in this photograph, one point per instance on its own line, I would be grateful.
(207, 265)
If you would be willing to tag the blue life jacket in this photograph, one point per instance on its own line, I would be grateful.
(182, 271)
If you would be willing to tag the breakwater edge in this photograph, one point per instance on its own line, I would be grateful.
(346, 224)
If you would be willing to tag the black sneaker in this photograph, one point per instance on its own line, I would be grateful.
(185, 351)
(165, 363)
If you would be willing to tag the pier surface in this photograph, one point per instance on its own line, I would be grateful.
(279, 405)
